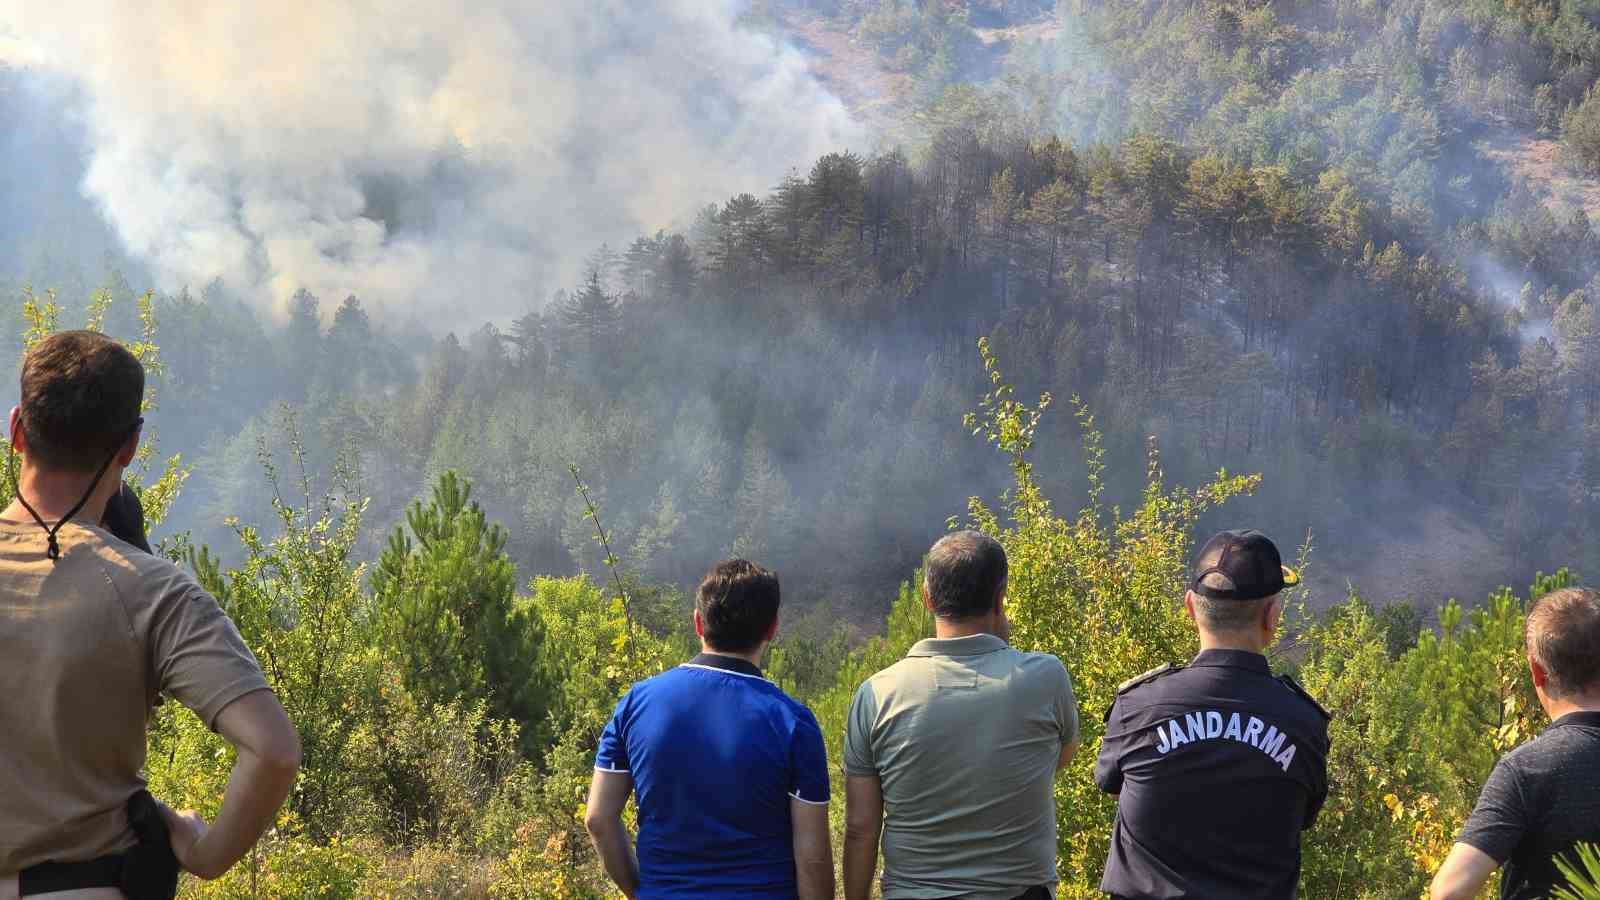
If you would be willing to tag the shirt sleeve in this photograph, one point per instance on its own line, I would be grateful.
(1066, 709)
(1500, 820)
(858, 756)
(808, 757)
(1108, 765)
(613, 753)
(197, 653)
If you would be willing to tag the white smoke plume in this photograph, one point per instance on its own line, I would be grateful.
(437, 156)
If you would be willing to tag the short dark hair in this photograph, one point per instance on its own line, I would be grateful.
(81, 395)
(1227, 615)
(738, 602)
(1563, 637)
(965, 572)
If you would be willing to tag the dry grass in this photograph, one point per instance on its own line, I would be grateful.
(1538, 161)
(881, 99)
(1044, 29)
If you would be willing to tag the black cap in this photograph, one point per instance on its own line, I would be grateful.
(1240, 565)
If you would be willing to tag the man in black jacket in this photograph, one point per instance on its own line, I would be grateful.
(1218, 766)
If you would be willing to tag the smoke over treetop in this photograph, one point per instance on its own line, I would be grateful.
(414, 151)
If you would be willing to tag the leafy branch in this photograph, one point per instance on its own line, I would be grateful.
(593, 514)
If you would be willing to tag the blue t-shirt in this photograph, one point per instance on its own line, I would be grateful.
(715, 752)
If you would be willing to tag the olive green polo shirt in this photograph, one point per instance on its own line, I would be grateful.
(964, 735)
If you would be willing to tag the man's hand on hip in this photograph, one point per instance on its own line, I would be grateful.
(186, 828)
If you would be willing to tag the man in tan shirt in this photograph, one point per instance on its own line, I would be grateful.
(950, 754)
(91, 631)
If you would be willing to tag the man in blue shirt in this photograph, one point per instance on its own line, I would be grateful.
(730, 773)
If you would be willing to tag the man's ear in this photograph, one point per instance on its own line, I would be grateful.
(19, 441)
(699, 626)
(927, 600)
(1541, 678)
(1000, 600)
(772, 630)
(129, 449)
(1188, 605)
(1272, 614)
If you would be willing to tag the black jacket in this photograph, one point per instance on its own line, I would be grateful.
(1218, 767)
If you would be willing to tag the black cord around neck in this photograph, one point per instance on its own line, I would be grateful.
(54, 549)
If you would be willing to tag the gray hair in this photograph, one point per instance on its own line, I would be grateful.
(1228, 615)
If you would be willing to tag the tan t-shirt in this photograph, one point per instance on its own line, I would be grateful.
(964, 735)
(86, 644)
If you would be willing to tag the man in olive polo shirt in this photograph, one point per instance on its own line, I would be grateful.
(959, 742)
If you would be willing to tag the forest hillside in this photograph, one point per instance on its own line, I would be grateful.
(1322, 258)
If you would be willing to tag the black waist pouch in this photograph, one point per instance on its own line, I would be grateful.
(146, 871)
(149, 869)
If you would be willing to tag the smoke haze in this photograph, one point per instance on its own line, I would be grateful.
(413, 153)
(787, 375)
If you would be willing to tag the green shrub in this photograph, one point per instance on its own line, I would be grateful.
(1582, 871)
(1580, 132)
(292, 868)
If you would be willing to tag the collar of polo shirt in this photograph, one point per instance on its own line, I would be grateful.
(970, 645)
(730, 664)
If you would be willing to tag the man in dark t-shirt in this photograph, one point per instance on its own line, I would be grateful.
(1541, 800)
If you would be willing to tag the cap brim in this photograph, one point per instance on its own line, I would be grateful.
(1290, 576)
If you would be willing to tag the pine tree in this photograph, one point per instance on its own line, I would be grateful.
(526, 339)
(677, 269)
(606, 263)
(1580, 131)
(789, 205)
(1053, 211)
(762, 506)
(639, 264)
(446, 605)
(348, 347)
(743, 246)
(1005, 213)
(1577, 329)
(835, 194)
(303, 341)
(591, 318)
(434, 394)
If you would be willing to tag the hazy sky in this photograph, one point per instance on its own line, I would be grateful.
(425, 155)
